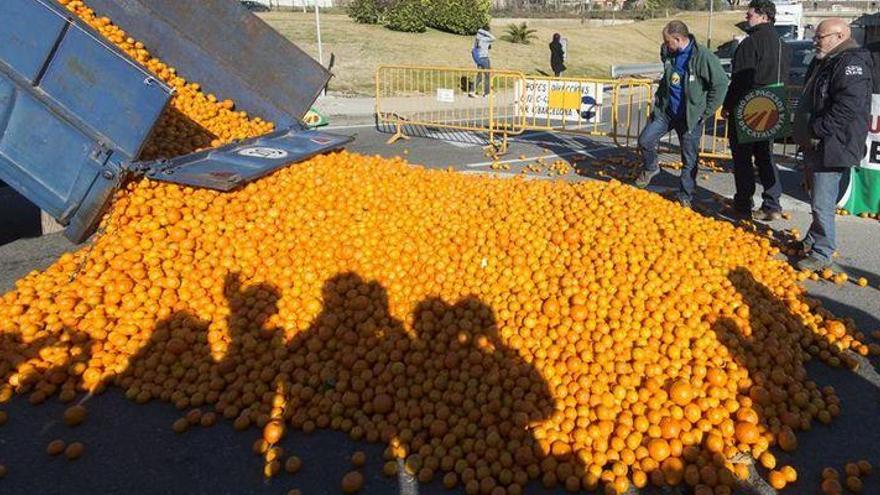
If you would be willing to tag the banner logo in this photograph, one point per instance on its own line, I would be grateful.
(760, 115)
(263, 152)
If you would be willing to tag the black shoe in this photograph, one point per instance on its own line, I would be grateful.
(765, 215)
(801, 247)
(684, 203)
(644, 178)
(738, 213)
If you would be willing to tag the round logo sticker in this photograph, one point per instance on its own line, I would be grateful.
(263, 152)
(761, 114)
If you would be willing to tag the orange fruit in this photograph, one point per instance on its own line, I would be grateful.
(352, 482)
(747, 433)
(75, 415)
(658, 449)
(293, 464)
(273, 431)
(854, 484)
(74, 451)
(55, 447)
(787, 439)
(777, 480)
(831, 487)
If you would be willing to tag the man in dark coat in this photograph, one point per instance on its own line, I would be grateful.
(761, 59)
(557, 55)
(831, 125)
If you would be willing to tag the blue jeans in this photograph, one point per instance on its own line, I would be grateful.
(689, 141)
(744, 174)
(824, 184)
(482, 77)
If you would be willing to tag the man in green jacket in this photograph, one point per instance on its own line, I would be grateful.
(692, 88)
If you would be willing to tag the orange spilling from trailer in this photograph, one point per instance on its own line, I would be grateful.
(489, 332)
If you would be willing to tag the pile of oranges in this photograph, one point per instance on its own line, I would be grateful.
(489, 332)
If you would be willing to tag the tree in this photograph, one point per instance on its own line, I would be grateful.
(521, 33)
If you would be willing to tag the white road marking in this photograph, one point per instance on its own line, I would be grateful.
(533, 158)
(408, 483)
(505, 175)
(353, 126)
(469, 139)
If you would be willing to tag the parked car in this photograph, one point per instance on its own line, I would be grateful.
(254, 6)
(725, 52)
(801, 55)
(800, 51)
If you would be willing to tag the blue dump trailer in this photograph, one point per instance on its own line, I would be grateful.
(76, 112)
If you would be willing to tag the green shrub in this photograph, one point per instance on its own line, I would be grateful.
(407, 16)
(458, 16)
(520, 34)
(365, 11)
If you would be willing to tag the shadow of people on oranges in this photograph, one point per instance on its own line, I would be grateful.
(469, 397)
(445, 395)
(191, 362)
(44, 366)
(442, 391)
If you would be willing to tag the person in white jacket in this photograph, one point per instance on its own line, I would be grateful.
(480, 53)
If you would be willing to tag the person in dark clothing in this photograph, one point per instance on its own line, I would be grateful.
(830, 126)
(557, 55)
(761, 59)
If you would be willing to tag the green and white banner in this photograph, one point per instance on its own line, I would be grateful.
(862, 194)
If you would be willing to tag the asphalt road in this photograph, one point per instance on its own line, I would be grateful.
(132, 449)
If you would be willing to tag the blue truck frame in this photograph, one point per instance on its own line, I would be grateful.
(75, 111)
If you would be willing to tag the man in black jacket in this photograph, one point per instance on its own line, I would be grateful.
(761, 59)
(831, 125)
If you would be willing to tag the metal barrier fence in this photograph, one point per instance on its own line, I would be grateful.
(505, 103)
(450, 98)
(631, 105)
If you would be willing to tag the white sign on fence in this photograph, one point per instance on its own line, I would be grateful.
(570, 102)
(445, 95)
